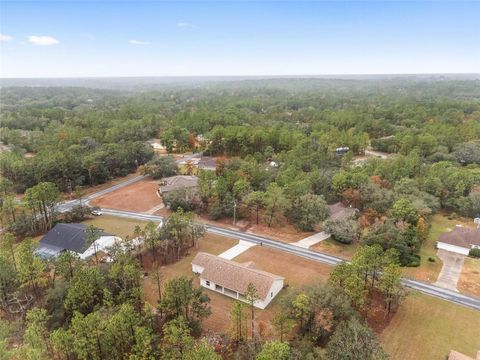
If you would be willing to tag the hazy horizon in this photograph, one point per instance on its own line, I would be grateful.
(40, 39)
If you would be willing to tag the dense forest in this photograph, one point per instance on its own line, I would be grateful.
(277, 142)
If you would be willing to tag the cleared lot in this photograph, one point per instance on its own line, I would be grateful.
(140, 197)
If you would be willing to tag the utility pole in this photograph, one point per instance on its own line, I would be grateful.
(234, 212)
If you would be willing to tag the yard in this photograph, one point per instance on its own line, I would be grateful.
(429, 271)
(140, 196)
(121, 227)
(469, 282)
(335, 248)
(298, 272)
(428, 328)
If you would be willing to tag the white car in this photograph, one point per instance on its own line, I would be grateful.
(96, 212)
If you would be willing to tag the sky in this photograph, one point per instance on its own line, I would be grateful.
(155, 38)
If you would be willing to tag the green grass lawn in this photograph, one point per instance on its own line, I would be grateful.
(119, 226)
(428, 328)
(330, 246)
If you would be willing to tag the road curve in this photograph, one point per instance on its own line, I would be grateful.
(426, 288)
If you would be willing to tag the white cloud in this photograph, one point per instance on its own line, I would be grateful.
(5, 38)
(139, 42)
(42, 40)
(185, 24)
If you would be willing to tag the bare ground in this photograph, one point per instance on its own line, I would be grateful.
(140, 197)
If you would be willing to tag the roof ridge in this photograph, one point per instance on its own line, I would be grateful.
(235, 263)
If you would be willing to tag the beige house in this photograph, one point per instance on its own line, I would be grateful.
(231, 278)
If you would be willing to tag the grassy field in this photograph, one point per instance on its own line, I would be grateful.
(428, 328)
(118, 226)
(428, 271)
(469, 281)
(332, 247)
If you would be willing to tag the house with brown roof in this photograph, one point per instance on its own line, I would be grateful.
(177, 182)
(232, 278)
(460, 240)
(338, 211)
(455, 355)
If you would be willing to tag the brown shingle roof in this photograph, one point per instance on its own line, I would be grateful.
(461, 236)
(338, 211)
(177, 182)
(233, 275)
(455, 355)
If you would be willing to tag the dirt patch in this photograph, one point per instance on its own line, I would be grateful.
(469, 281)
(140, 196)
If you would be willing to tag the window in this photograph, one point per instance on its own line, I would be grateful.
(207, 282)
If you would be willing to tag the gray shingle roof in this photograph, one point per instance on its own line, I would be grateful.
(67, 236)
(461, 236)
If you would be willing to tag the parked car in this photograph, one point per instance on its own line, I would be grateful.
(96, 212)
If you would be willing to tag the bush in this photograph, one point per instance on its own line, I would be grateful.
(475, 253)
(431, 259)
(344, 231)
(77, 213)
(413, 261)
(180, 199)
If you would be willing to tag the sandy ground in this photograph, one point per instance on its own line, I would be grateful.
(140, 197)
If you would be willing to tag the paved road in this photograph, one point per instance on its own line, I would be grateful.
(67, 205)
(425, 288)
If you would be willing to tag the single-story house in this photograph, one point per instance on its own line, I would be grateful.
(338, 211)
(207, 163)
(177, 182)
(72, 237)
(197, 162)
(460, 240)
(232, 278)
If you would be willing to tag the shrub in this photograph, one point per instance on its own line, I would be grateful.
(431, 259)
(474, 253)
(344, 231)
(413, 261)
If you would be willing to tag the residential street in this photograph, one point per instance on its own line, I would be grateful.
(429, 289)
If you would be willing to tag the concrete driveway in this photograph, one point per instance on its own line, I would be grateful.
(452, 267)
(312, 240)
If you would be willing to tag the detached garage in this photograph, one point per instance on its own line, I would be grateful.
(460, 240)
